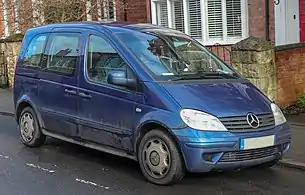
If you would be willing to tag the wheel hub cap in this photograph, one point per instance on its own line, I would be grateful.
(27, 127)
(157, 159)
(154, 158)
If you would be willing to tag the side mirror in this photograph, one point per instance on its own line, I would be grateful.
(119, 77)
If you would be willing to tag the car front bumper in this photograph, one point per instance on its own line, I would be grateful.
(207, 151)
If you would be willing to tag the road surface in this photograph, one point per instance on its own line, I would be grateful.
(61, 168)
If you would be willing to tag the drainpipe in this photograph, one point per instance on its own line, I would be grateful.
(125, 10)
(267, 20)
(150, 17)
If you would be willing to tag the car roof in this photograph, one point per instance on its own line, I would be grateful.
(113, 26)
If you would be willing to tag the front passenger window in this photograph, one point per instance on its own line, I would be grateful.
(102, 58)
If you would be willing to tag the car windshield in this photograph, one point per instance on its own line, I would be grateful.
(175, 56)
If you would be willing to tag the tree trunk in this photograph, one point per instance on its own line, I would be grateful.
(88, 10)
(99, 10)
(17, 16)
(6, 18)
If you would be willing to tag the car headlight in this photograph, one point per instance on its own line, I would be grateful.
(279, 117)
(201, 120)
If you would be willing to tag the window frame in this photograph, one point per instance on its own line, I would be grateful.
(204, 24)
(40, 64)
(106, 84)
(47, 49)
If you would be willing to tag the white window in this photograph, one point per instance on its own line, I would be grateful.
(106, 10)
(209, 21)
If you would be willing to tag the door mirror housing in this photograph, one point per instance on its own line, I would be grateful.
(119, 77)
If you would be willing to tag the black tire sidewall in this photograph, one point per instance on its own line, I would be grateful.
(38, 136)
(177, 167)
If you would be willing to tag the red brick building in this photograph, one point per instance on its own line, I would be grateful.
(211, 21)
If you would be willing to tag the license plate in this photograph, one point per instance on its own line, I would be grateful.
(257, 142)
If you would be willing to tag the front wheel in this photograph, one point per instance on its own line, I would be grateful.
(159, 158)
(30, 133)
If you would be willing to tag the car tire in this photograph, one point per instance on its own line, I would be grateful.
(30, 132)
(160, 159)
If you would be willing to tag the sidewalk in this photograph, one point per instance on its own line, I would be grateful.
(294, 158)
(297, 120)
(6, 102)
(297, 150)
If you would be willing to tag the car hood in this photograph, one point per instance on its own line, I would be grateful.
(220, 99)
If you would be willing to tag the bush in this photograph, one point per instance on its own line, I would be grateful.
(301, 102)
(296, 108)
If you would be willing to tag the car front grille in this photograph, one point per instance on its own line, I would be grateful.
(240, 124)
(250, 154)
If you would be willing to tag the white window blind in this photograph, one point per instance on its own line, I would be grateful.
(178, 16)
(214, 16)
(195, 19)
(234, 25)
(210, 21)
(163, 14)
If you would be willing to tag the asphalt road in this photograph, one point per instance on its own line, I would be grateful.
(63, 168)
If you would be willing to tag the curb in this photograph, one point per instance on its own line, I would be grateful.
(292, 164)
(7, 114)
(297, 124)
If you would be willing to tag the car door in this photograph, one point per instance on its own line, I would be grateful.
(106, 112)
(58, 84)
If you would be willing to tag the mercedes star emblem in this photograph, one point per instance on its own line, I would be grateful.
(253, 120)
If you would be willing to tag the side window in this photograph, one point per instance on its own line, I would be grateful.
(34, 52)
(63, 53)
(102, 58)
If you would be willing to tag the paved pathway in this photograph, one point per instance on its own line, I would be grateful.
(297, 150)
(6, 101)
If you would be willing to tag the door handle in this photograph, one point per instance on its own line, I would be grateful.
(70, 91)
(85, 95)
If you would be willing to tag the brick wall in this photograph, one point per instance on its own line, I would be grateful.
(290, 72)
(257, 19)
(137, 11)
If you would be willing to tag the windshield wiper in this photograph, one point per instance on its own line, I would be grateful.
(204, 75)
(221, 74)
(188, 77)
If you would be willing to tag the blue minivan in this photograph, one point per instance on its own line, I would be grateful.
(144, 92)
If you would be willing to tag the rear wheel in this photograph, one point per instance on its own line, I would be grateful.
(160, 159)
(30, 132)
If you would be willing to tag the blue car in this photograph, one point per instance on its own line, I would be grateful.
(145, 92)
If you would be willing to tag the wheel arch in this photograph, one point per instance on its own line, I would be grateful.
(150, 125)
(24, 104)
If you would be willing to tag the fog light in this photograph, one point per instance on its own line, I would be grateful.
(208, 157)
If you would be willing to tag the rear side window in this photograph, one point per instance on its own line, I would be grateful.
(34, 52)
(63, 53)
